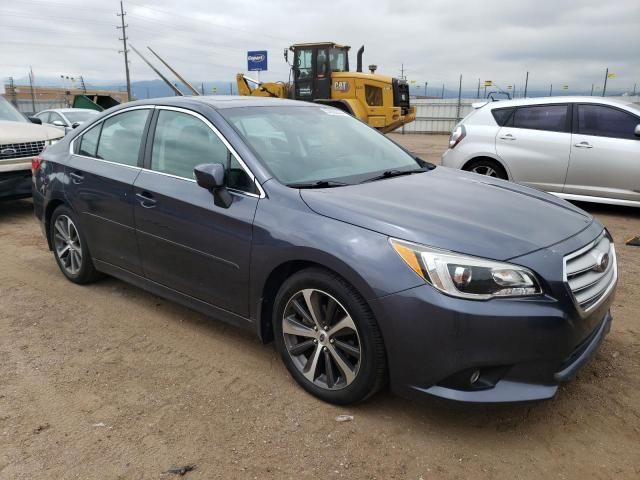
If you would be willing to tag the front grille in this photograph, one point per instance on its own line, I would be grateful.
(401, 94)
(588, 281)
(19, 150)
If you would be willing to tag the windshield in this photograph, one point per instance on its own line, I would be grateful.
(85, 116)
(9, 112)
(313, 144)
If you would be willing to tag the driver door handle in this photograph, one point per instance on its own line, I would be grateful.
(146, 200)
(508, 136)
(583, 145)
(76, 177)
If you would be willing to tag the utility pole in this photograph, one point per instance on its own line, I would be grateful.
(592, 89)
(551, 91)
(230, 88)
(604, 89)
(634, 89)
(478, 94)
(202, 87)
(459, 99)
(442, 95)
(425, 89)
(12, 92)
(526, 85)
(125, 51)
(33, 94)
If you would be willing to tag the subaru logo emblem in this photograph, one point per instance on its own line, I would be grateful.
(8, 151)
(602, 262)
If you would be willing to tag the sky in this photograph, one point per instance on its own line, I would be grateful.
(558, 42)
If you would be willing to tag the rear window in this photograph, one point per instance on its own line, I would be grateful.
(552, 118)
(502, 115)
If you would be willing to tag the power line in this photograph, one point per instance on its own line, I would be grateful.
(125, 51)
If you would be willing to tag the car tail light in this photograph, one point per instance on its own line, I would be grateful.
(457, 135)
(35, 164)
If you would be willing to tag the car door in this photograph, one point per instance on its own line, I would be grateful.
(188, 243)
(605, 153)
(303, 73)
(101, 171)
(535, 145)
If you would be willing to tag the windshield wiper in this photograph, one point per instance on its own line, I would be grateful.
(317, 184)
(396, 173)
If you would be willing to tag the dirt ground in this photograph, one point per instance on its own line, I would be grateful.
(108, 381)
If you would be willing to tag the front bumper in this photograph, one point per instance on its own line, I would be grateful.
(15, 184)
(523, 348)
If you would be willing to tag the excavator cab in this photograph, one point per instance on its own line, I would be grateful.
(313, 64)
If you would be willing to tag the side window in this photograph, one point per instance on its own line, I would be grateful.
(44, 117)
(122, 136)
(304, 63)
(606, 122)
(183, 141)
(238, 179)
(338, 60)
(541, 117)
(321, 62)
(89, 142)
(502, 115)
(54, 116)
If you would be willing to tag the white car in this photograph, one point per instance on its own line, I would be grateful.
(20, 141)
(67, 118)
(578, 148)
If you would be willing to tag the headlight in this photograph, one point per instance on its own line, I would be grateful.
(54, 141)
(467, 277)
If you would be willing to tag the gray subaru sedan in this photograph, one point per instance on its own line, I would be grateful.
(364, 264)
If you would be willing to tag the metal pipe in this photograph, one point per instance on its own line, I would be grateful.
(359, 64)
(175, 89)
(184, 82)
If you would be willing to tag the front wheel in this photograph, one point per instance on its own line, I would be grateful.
(488, 167)
(328, 338)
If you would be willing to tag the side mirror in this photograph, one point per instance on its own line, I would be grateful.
(58, 123)
(211, 177)
(637, 130)
(35, 120)
(75, 124)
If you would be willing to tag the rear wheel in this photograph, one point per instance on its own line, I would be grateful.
(328, 338)
(70, 247)
(488, 167)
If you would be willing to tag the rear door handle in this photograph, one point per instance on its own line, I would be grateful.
(583, 145)
(508, 136)
(76, 177)
(146, 200)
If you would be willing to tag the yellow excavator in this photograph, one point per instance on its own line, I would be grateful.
(321, 75)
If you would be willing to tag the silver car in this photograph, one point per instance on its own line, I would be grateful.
(66, 118)
(578, 148)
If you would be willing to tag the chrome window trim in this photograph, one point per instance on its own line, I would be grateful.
(262, 193)
(72, 143)
(233, 151)
(584, 312)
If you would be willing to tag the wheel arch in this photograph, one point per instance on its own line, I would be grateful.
(486, 156)
(48, 212)
(280, 273)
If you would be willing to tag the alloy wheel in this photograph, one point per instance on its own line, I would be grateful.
(322, 339)
(67, 244)
(485, 170)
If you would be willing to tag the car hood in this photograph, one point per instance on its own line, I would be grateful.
(20, 132)
(454, 210)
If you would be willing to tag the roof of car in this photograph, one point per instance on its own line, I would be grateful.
(65, 110)
(223, 101)
(615, 101)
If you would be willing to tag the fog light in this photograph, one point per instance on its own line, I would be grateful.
(474, 377)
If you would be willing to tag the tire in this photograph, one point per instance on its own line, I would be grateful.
(487, 166)
(70, 247)
(347, 337)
